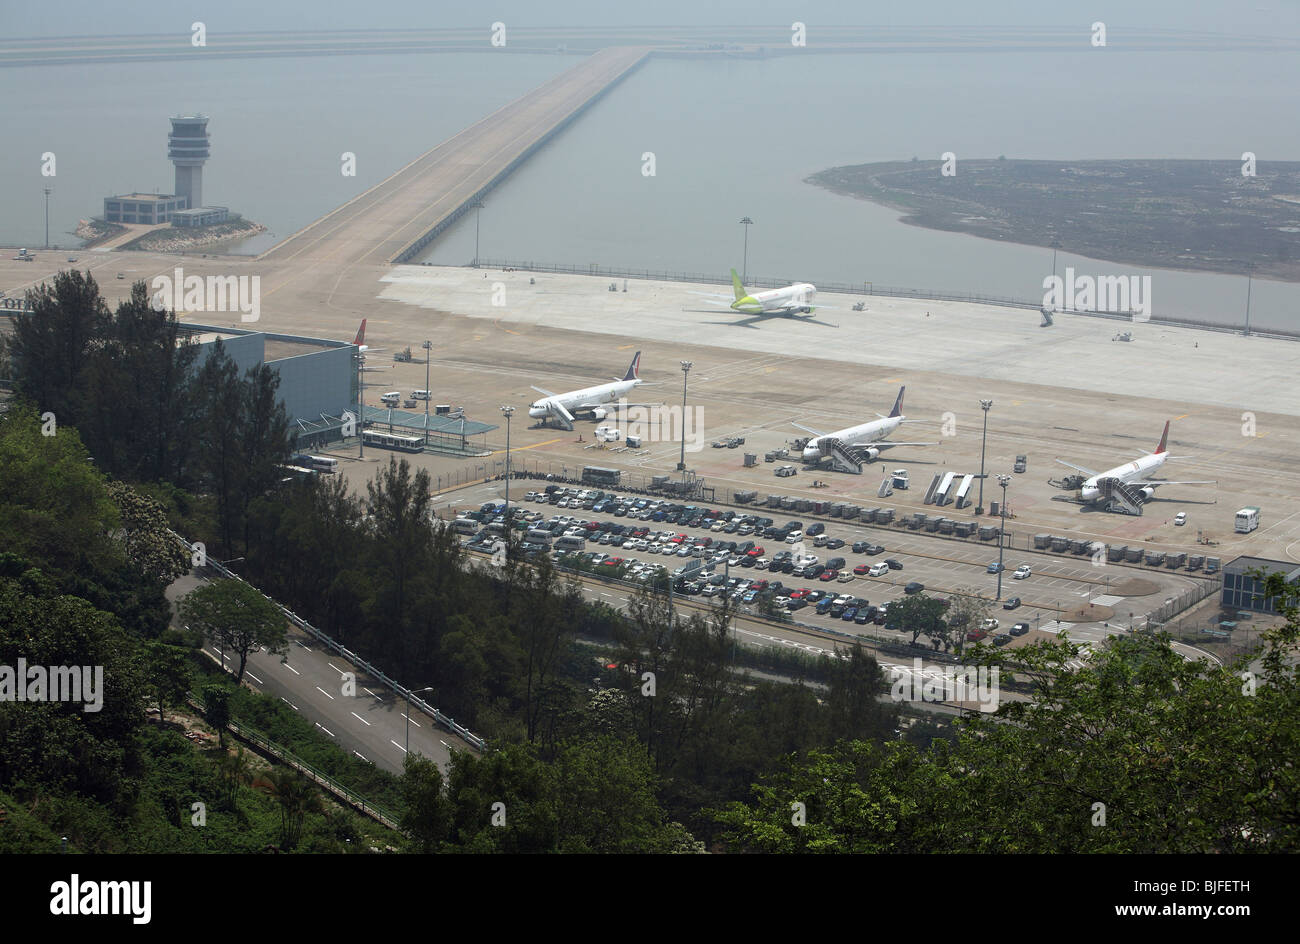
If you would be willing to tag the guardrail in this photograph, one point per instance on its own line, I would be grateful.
(285, 756)
(446, 722)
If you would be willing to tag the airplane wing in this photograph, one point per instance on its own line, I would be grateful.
(545, 392)
(808, 429)
(611, 405)
(720, 302)
(1157, 482)
(709, 294)
(1077, 468)
(886, 444)
(374, 368)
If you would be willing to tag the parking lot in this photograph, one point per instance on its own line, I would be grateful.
(737, 550)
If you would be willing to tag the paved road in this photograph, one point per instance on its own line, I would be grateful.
(377, 225)
(370, 723)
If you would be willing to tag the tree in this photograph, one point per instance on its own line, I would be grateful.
(169, 674)
(295, 797)
(218, 402)
(216, 709)
(52, 346)
(147, 538)
(426, 814)
(234, 768)
(916, 614)
(968, 611)
(853, 698)
(236, 617)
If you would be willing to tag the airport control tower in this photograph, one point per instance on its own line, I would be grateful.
(187, 147)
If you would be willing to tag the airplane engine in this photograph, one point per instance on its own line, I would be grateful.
(600, 412)
(870, 454)
(1147, 493)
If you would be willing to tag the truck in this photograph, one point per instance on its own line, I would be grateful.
(1247, 520)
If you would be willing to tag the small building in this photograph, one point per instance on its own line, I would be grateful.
(1245, 591)
(149, 208)
(201, 216)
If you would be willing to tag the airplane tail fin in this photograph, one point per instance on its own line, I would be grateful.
(736, 286)
(634, 369)
(361, 333)
(898, 404)
(1164, 439)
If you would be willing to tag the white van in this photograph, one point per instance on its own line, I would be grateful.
(878, 569)
(392, 398)
(421, 395)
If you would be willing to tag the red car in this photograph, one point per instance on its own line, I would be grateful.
(861, 570)
(828, 575)
(677, 539)
(975, 635)
(754, 552)
(799, 594)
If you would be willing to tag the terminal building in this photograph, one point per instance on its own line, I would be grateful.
(320, 383)
(188, 150)
(1243, 590)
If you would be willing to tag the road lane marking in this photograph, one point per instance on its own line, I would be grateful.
(362, 756)
(361, 719)
(291, 668)
(325, 693)
(253, 677)
(325, 729)
(308, 648)
(336, 668)
(408, 718)
(369, 692)
(396, 745)
(289, 703)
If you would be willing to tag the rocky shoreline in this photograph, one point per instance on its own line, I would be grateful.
(189, 239)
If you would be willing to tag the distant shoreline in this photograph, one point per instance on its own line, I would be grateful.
(1192, 216)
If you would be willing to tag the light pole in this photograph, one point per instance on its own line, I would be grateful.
(984, 405)
(744, 266)
(49, 190)
(1055, 246)
(1249, 273)
(507, 412)
(428, 355)
(409, 693)
(478, 208)
(1004, 481)
(686, 369)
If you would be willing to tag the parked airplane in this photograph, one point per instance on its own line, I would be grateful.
(562, 407)
(363, 348)
(1127, 484)
(792, 300)
(863, 442)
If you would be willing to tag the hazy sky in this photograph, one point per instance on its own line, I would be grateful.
(1276, 18)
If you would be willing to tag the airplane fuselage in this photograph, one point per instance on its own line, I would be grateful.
(587, 396)
(797, 297)
(854, 435)
(1135, 471)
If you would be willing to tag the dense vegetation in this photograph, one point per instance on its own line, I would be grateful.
(610, 732)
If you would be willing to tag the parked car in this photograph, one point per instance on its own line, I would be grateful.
(861, 569)
(1180, 519)
(878, 569)
(1023, 571)
(816, 528)
(1011, 604)
(914, 587)
(893, 564)
(995, 568)
(1019, 629)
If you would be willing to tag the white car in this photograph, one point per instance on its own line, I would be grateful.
(1180, 519)
(1023, 571)
(878, 569)
(989, 624)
